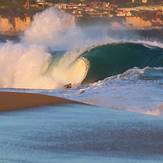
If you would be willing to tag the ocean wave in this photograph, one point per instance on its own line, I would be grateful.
(116, 58)
(33, 63)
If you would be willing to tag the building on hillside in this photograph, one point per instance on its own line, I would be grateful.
(144, 1)
(139, 1)
(40, 1)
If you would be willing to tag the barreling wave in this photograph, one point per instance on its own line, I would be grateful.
(30, 63)
(116, 58)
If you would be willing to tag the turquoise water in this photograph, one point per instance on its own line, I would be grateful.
(116, 58)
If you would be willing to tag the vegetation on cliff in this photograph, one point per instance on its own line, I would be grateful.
(10, 8)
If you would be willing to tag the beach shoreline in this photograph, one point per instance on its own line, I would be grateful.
(16, 100)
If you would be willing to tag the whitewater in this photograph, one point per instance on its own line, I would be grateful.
(55, 53)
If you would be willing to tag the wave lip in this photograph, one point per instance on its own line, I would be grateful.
(70, 73)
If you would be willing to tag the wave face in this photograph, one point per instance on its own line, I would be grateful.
(113, 59)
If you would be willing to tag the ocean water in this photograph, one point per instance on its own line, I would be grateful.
(76, 133)
(118, 71)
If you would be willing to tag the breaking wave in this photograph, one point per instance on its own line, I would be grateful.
(27, 64)
(54, 52)
(112, 59)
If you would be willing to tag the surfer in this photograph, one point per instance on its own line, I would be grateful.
(69, 85)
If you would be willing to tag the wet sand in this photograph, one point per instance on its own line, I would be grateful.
(14, 100)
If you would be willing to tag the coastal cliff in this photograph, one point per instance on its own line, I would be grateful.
(138, 22)
(14, 25)
(17, 24)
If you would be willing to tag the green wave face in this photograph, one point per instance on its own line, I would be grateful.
(113, 59)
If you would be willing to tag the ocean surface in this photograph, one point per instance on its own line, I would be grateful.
(76, 133)
(118, 71)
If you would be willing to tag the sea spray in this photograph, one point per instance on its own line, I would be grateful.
(23, 66)
(26, 64)
(53, 28)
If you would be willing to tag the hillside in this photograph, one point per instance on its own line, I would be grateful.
(20, 8)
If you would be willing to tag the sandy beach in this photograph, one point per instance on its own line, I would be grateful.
(14, 100)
